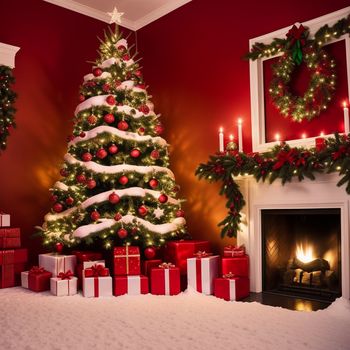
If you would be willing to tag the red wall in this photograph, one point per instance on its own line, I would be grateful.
(192, 63)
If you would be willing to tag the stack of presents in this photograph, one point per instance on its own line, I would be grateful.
(185, 263)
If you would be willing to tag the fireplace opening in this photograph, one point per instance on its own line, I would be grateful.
(301, 252)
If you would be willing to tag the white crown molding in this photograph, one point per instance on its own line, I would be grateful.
(8, 54)
(104, 17)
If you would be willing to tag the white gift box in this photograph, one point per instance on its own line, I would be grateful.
(63, 287)
(4, 220)
(201, 273)
(56, 263)
(97, 287)
(24, 279)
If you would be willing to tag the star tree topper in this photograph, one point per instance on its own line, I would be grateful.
(115, 16)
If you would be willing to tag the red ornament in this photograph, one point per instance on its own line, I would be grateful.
(109, 118)
(113, 198)
(163, 198)
(180, 213)
(141, 131)
(53, 198)
(126, 57)
(135, 153)
(97, 72)
(117, 216)
(122, 233)
(69, 201)
(90, 184)
(123, 125)
(138, 73)
(92, 119)
(64, 172)
(121, 48)
(110, 100)
(155, 154)
(81, 98)
(57, 207)
(59, 247)
(153, 183)
(82, 134)
(95, 215)
(142, 210)
(106, 87)
(150, 252)
(159, 129)
(123, 180)
(144, 109)
(101, 153)
(113, 149)
(80, 178)
(86, 157)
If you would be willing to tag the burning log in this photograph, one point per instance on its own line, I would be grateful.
(312, 266)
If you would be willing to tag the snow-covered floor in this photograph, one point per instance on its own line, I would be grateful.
(187, 321)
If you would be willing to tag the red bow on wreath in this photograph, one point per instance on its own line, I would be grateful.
(296, 37)
(65, 275)
(284, 157)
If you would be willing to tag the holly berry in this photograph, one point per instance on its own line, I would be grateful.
(163, 198)
(117, 216)
(57, 207)
(97, 72)
(122, 233)
(64, 172)
(144, 109)
(95, 215)
(69, 201)
(141, 131)
(123, 125)
(123, 180)
(159, 129)
(101, 153)
(142, 210)
(106, 87)
(113, 149)
(110, 100)
(135, 153)
(53, 198)
(109, 118)
(153, 183)
(59, 247)
(86, 157)
(180, 213)
(90, 184)
(92, 119)
(155, 154)
(80, 178)
(82, 134)
(150, 252)
(81, 98)
(113, 198)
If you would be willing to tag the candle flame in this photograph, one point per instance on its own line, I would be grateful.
(321, 133)
(231, 137)
(345, 104)
(240, 121)
(277, 136)
(304, 254)
(221, 129)
(303, 136)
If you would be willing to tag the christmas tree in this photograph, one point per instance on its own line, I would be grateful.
(116, 185)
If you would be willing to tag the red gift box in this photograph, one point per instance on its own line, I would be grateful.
(165, 280)
(239, 266)
(39, 279)
(147, 265)
(126, 261)
(10, 238)
(231, 287)
(83, 256)
(233, 251)
(177, 252)
(8, 269)
(132, 285)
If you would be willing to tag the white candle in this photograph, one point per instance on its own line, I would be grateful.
(221, 140)
(240, 136)
(346, 118)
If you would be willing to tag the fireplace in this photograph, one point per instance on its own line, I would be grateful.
(301, 252)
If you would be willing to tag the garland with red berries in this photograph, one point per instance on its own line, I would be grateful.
(298, 48)
(7, 99)
(281, 162)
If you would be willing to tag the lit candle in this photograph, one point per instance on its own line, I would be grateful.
(321, 133)
(231, 137)
(221, 140)
(346, 118)
(277, 137)
(240, 135)
(303, 136)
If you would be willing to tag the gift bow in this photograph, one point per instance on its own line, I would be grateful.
(36, 270)
(235, 248)
(229, 275)
(65, 275)
(97, 270)
(202, 254)
(165, 265)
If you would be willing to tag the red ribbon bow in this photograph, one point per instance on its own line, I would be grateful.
(295, 34)
(339, 153)
(36, 270)
(165, 265)
(229, 275)
(97, 270)
(65, 275)
(202, 254)
(284, 157)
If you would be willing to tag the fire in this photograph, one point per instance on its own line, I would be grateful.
(305, 255)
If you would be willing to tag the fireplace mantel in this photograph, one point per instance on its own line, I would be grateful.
(320, 193)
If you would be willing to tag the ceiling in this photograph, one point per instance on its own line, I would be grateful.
(137, 13)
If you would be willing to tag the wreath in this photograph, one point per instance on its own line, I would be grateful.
(297, 48)
(7, 99)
